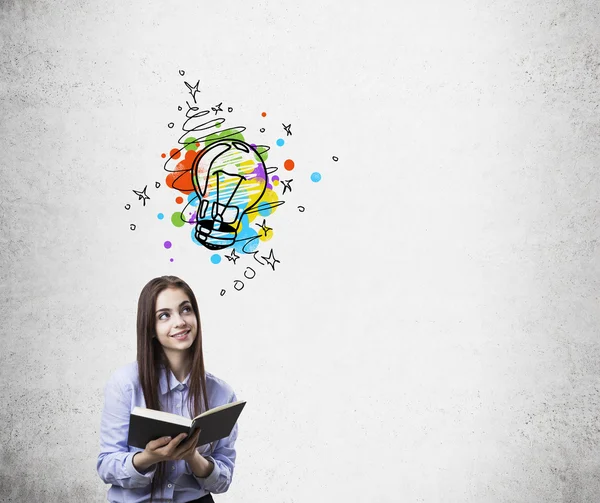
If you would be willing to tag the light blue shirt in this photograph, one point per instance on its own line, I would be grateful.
(122, 393)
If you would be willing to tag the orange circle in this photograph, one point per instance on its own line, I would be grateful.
(175, 154)
(264, 114)
(179, 200)
(163, 155)
(289, 165)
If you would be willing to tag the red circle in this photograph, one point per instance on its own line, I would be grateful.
(289, 165)
(175, 154)
(179, 200)
(163, 155)
(264, 114)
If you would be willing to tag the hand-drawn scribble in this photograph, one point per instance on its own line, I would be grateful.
(336, 159)
(181, 72)
(254, 254)
(142, 196)
(217, 108)
(179, 108)
(170, 125)
(157, 185)
(225, 179)
(286, 185)
(132, 227)
(127, 206)
(288, 129)
(262, 207)
(230, 109)
(301, 209)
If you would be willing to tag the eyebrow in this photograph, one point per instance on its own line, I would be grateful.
(167, 309)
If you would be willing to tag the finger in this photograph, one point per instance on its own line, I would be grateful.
(193, 441)
(194, 437)
(177, 440)
(183, 452)
(187, 446)
(167, 450)
(158, 443)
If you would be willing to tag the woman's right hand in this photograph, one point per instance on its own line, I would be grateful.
(164, 449)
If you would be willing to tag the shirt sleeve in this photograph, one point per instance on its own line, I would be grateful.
(115, 462)
(223, 458)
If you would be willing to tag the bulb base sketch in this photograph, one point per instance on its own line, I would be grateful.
(215, 235)
(229, 178)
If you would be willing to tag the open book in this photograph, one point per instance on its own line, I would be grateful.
(148, 424)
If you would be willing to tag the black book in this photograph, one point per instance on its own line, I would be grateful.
(214, 424)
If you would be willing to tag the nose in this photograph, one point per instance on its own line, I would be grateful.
(178, 320)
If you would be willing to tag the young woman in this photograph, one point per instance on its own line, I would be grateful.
(169, 375)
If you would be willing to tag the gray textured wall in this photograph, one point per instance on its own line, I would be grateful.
(432, 331)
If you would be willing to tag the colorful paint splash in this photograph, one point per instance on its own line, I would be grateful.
(223, 180)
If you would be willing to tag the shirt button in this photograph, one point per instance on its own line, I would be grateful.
(169, 486)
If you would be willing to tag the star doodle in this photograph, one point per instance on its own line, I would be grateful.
(271, 260)
(264, 227)
(288, 129)
(233, 257)
(217, 108)
(193, 90)
(142, 195)
(286, 185)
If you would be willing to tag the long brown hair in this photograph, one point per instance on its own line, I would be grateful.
(151, 356)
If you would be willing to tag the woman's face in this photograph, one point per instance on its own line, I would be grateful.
(176, 324)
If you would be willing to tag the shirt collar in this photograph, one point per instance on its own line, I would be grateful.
(171, 383)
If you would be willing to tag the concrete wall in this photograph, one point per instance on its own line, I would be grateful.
(431, 332)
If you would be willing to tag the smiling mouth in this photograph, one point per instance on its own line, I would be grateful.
(181, 335)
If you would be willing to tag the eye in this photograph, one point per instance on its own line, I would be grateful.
(163, 316)
(187, 309)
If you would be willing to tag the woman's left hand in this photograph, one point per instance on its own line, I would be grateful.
(187, 449)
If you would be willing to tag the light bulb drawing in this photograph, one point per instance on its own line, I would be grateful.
(230, 178)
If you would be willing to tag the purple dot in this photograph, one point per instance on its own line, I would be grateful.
(168, 244)
(171, 260)
(275, 178)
